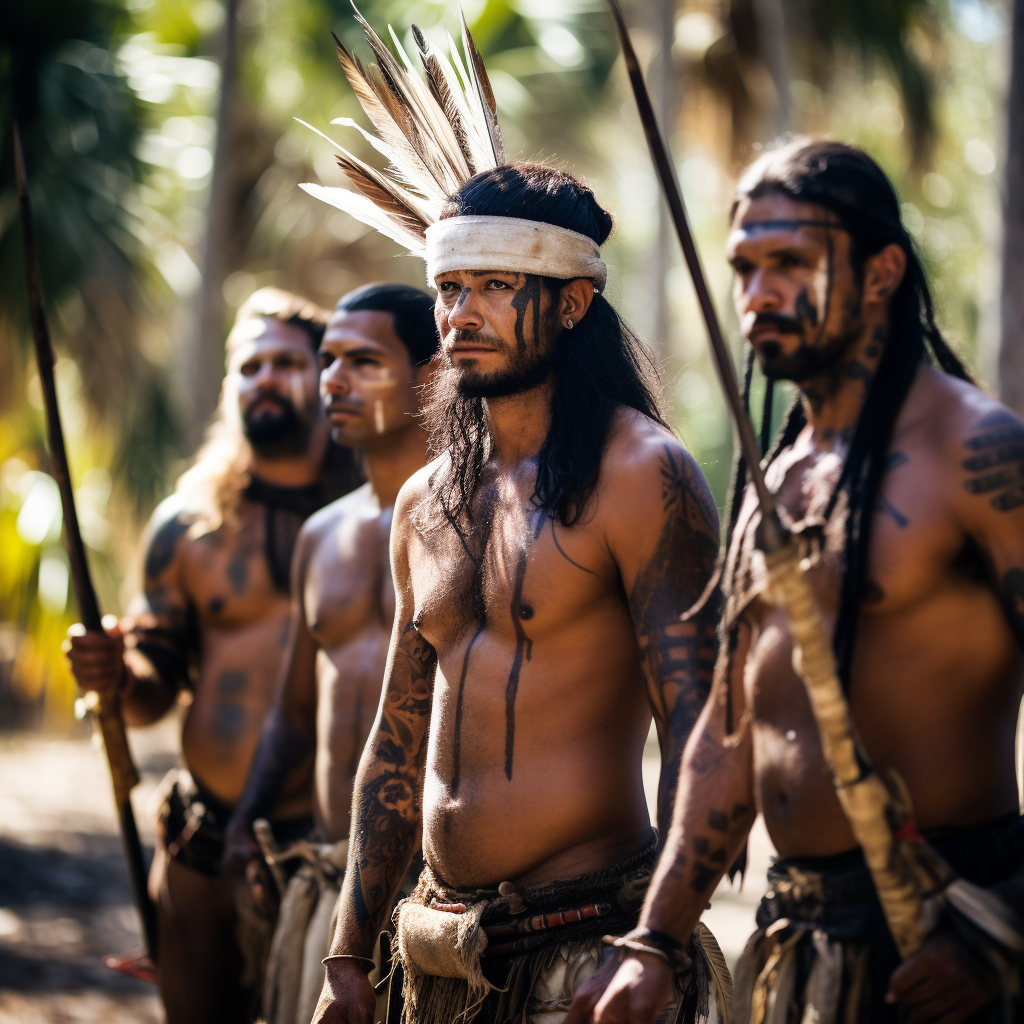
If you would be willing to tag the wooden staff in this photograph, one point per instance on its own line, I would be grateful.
(904, 869)
(106, 709)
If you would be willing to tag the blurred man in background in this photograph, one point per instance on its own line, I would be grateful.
(209, 631)
(375, 357)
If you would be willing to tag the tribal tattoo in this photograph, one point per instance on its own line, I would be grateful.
(998, 460)
(678, 657)
(388, 790)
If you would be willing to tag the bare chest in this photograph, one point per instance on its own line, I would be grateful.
(348, 585)
(915, 548)
(518, 576)
(227, 579)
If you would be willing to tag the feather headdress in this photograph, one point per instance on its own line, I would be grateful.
(436, 132)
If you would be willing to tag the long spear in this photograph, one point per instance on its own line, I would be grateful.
(904, 870)
(107, 709)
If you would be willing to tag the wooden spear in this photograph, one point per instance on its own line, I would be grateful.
(107, 709)
(904, 873)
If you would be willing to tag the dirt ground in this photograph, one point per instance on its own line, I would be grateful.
(64, 895)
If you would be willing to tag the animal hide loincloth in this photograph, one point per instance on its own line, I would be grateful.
(545, 941)
(822, 951)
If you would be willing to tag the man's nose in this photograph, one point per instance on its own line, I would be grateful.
(335, 379)
(464, 315)
(761, 294)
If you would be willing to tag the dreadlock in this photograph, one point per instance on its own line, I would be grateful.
(848, 182)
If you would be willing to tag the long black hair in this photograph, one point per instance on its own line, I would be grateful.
(599, 365)
(848, 182)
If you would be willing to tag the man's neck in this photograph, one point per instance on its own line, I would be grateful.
(833, 400)
(296, 470)
(394, 461)
(519, 423)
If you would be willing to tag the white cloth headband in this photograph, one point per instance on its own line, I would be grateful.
(513, 245)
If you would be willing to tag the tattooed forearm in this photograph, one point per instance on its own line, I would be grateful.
(678, 657)
(387, 804)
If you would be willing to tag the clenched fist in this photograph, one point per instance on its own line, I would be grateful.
(97, 659)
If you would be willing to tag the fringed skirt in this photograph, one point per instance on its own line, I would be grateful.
(822, 951)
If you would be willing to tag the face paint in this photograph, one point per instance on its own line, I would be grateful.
(298, 388)
(251, 330)
(378, 415)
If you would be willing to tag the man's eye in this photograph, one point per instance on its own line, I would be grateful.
(365, 361)
(325, 360)
(790, 260)
(248, 369)
(447, 286)
(498, 285)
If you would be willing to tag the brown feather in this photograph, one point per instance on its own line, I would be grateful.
(396, 203)
(483, 87)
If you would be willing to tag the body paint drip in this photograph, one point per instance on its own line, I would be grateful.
(457, 745)
(524, 649)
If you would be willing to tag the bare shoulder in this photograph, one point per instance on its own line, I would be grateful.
(325, 521)
(414, 492)
(165, 535)
(646, 465)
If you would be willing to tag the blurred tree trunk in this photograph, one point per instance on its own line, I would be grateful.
(1011, 348)
(205, 368)
(771, 31)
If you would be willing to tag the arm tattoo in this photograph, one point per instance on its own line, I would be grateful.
(389, 790)
(997, 464)
(678, 657)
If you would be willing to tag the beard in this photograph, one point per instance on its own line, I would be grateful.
(807, 361)
(525, 370)
(277, 434)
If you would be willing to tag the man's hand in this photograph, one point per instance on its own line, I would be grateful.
(97, 659)
(240, 847)
(942, 983)
(633, 990)
(347, 996)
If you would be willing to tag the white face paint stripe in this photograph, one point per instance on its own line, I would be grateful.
(298, 389)
(378, 415)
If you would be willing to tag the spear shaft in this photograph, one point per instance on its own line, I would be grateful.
(903, 881)
(107, 709)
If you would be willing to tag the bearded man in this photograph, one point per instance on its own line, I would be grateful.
(209, 630)
(376, 357)
(904, 481)
(542, 563)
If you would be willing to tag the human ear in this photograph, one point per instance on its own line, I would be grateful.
(574, 300)
(883, 273)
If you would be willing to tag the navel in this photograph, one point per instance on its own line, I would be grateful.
(525, 610)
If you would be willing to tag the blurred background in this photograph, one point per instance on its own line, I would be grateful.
(164, 159)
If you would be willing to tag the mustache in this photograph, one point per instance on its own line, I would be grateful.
(784, 324)
(461, 334)
(283, 404)
(343, 403)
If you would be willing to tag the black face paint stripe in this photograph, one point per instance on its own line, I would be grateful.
(788, 225)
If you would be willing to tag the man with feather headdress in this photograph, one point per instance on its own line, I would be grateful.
(542, 563)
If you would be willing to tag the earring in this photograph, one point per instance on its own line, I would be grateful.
(569, 324)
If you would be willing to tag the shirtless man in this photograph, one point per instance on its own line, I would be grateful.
(210, 627)
(928, 632)
(375, 359)
(541, 567)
